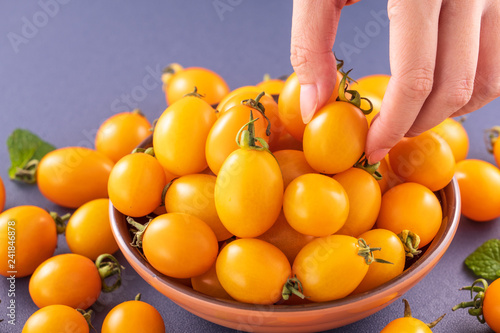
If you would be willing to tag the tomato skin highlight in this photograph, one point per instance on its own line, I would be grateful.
(252, 271)
(411, 206)
(133, 317)
(180, 245)
(35, 238)
(335, 138)
(249, 192)
(72, 176)
(455, 135)
(120, 134)
(56, 318)
(479, 183)
(180, 135)
(136, 183)
(68, 279)
(88, 231)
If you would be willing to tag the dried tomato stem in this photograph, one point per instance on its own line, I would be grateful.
(60, 221)
(292, 286)
(410, 242)
(108, 266)
(27, 174)
(88, 317)
(257, 105)
(476, 305)
(139, 233)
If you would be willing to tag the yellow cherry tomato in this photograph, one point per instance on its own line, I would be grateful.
(292, 164)
(376, 84)
(133, 317)
(253, 271)
(180, 135)
(286, 141)
(194, 194)
(425, 159)
(28, 236)
(121, 133)
(315, 205)
(88, 231)
(364, 197)
(56, 318)
(72, 176)
(208, 283)
(389, 178)
(455, 135)
(241, 90)
(271, 86)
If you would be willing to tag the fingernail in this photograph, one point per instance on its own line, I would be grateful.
(377, 155)
(308, 101)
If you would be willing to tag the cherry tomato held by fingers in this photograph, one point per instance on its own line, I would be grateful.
(364, 198)
(136, 184)
(88, 231)
(180, 135)
(479, 183)
(292, 164)
(179, 82)
(253, 271)
(315, 205)
(425, 159)
(56, 318)
(179, 245)
(72, 176)
(28, 236)
(71, 279)
(332, 267)
(121, 133)
(249, 187)
(194, 194)
(133, 317)
(391, 249)
(413, 207)
(2, 195)
(408, 324)
(455, 135)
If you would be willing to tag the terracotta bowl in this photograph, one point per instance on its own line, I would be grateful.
(311, 317)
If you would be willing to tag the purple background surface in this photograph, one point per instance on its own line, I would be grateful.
(67, 66)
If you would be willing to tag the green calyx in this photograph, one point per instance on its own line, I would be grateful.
(355, 98)
(292, 286)
(149, 151)
(60, 221)
(410, 241)
(194, 93)
(108, 266)
(407, 314)
(138, 232)
(372, 169)
(88, 317)
(27, 174)
(257, 105)
(476, 305)
(246, 139)
(491, 137)
(366, 252)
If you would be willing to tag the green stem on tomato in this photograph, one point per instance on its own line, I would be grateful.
(491, 137)
(372, 169)
(87, 315)
(108, 266)
(292, 286)
(257, 105)
(366, 252)
(410, 241)
(476, 305)
(355, 98)
(60, 221)
(27, 174)
(138, 233)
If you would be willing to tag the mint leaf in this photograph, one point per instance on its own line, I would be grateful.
(25, 150)
(485, 261)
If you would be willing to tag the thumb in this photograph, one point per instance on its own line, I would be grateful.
(314, 26)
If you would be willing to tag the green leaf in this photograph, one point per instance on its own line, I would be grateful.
(485, 261)
(25, 150)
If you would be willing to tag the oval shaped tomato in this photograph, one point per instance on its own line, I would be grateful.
(335, 138)
(391, 249)
(68, 279)
(249, 192)
(56, 318)
(120, 134)
(455, 135)
(136, 184)
(289, 105)
(72, 176)
(425, 159)
(364, 198)
(180, 135)
(180, 245)
(2, 195)
(208, 283)
(292, 164)
(221, 139)
(208, 83)
(132, 317)
(240, 90)
(376, 84)
(330, 267)
(491, 307)
(253, 271)
(88, 231)
(271, 86)
(411, 206)
(315, 205)
(375, 101)
(406, 325)
(479, 183)
(28, 232)
(389, 178)
(285, 238)
(194, 194)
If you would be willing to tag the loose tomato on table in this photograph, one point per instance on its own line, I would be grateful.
(455, 135)
(56, 318)
(88, 231)
(28, 237)
(180, 81)
(493, 143)
(133, 317)
(120, 134)
(180, 135)
(479, 183)
(408, 324)
(136, 184)
(72, 176)
(253, 271)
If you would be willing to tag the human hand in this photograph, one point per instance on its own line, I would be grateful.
(444, 56)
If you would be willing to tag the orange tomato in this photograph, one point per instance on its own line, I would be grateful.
(389, 178)
(245, 89)
(208, 283)
(376, 84)
(455, 135)
(292, 164)
(271, 86)
(286, 141)
(56, 318)
(2, 195)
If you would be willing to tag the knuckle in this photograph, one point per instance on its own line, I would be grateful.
(417, 83)
(298, 56)
(459, 93)
(487, 88)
